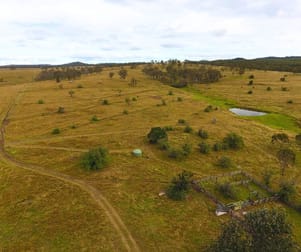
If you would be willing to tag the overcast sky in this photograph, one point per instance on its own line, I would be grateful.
(60, 31)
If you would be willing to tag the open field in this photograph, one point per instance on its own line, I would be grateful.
(70, 218)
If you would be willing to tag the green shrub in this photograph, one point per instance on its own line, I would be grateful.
(179, 99)
(224, 162)
(269, 89)
(73, 126)
(170, 92)
(203, 134)
(94, 118)
(125, 112)
(226, 190)
(156, 134)
(204, 148)
(56, 131)
(180, 185)
(251, 76)
(134, 99)
(186, 149)
(217, 146)
(290, 102)
(163, 102)
(250, 82)
(250, 92)
(287, 190)
(267, 175)
(282, 79)
(95, 159)
(181, 121)
(40, 101)
(233, 141)
(79, 86)
(188, 129)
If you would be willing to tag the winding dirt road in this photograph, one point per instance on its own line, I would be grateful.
(126, 238)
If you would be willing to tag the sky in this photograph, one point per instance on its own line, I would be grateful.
(97, 31)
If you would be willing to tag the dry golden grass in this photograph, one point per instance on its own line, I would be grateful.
(132, 184)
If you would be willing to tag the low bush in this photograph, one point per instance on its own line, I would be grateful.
(226, 189)
(180, 185)
(204, 148)
(155, 134)
(188, 129)
(224, 162)
(94, 118)
(41, 101)
(56, 131)
(203, 134)
(233, 141)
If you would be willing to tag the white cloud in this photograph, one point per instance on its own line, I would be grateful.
(126, 30)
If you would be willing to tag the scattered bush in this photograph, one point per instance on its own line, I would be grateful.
(71, 93)
(176, 153)
(203, 134)
(280, 137)
(61, 110)
(290, 101)
(156, 134)
(224, 162)
(125, 112)
(188, 129)
(269, 89)
(95, 159)
(41, 101)
(287, 190)
(217, 146)
(251, 76)
(94, 118)
(163, 144)
(250, 82)
(105, 102)
(134, 99)
(208, 108)
(186, 149)
(180, 185)
(179, 99)
(233, 141)
(79, 86)
(282, 79)
(204, 148)
(181, 121)
(56, 131)
(163, 102)
(250, 92)
(73, 126)
(170, 93)
(284, 89)
(128, 101)
(286, 158)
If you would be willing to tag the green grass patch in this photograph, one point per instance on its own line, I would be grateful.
(216, 101)
(277, 121)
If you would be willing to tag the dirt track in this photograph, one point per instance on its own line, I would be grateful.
(125, 235)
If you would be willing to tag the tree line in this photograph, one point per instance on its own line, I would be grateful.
(282, 64)
(176, 74)
(66, 73)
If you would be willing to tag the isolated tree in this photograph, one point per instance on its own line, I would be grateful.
(156, 134)
(123, 73)
(95, 159)
(180, 185)
(263, 230)
(286, 158)
(71, 93)
(111, 74)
